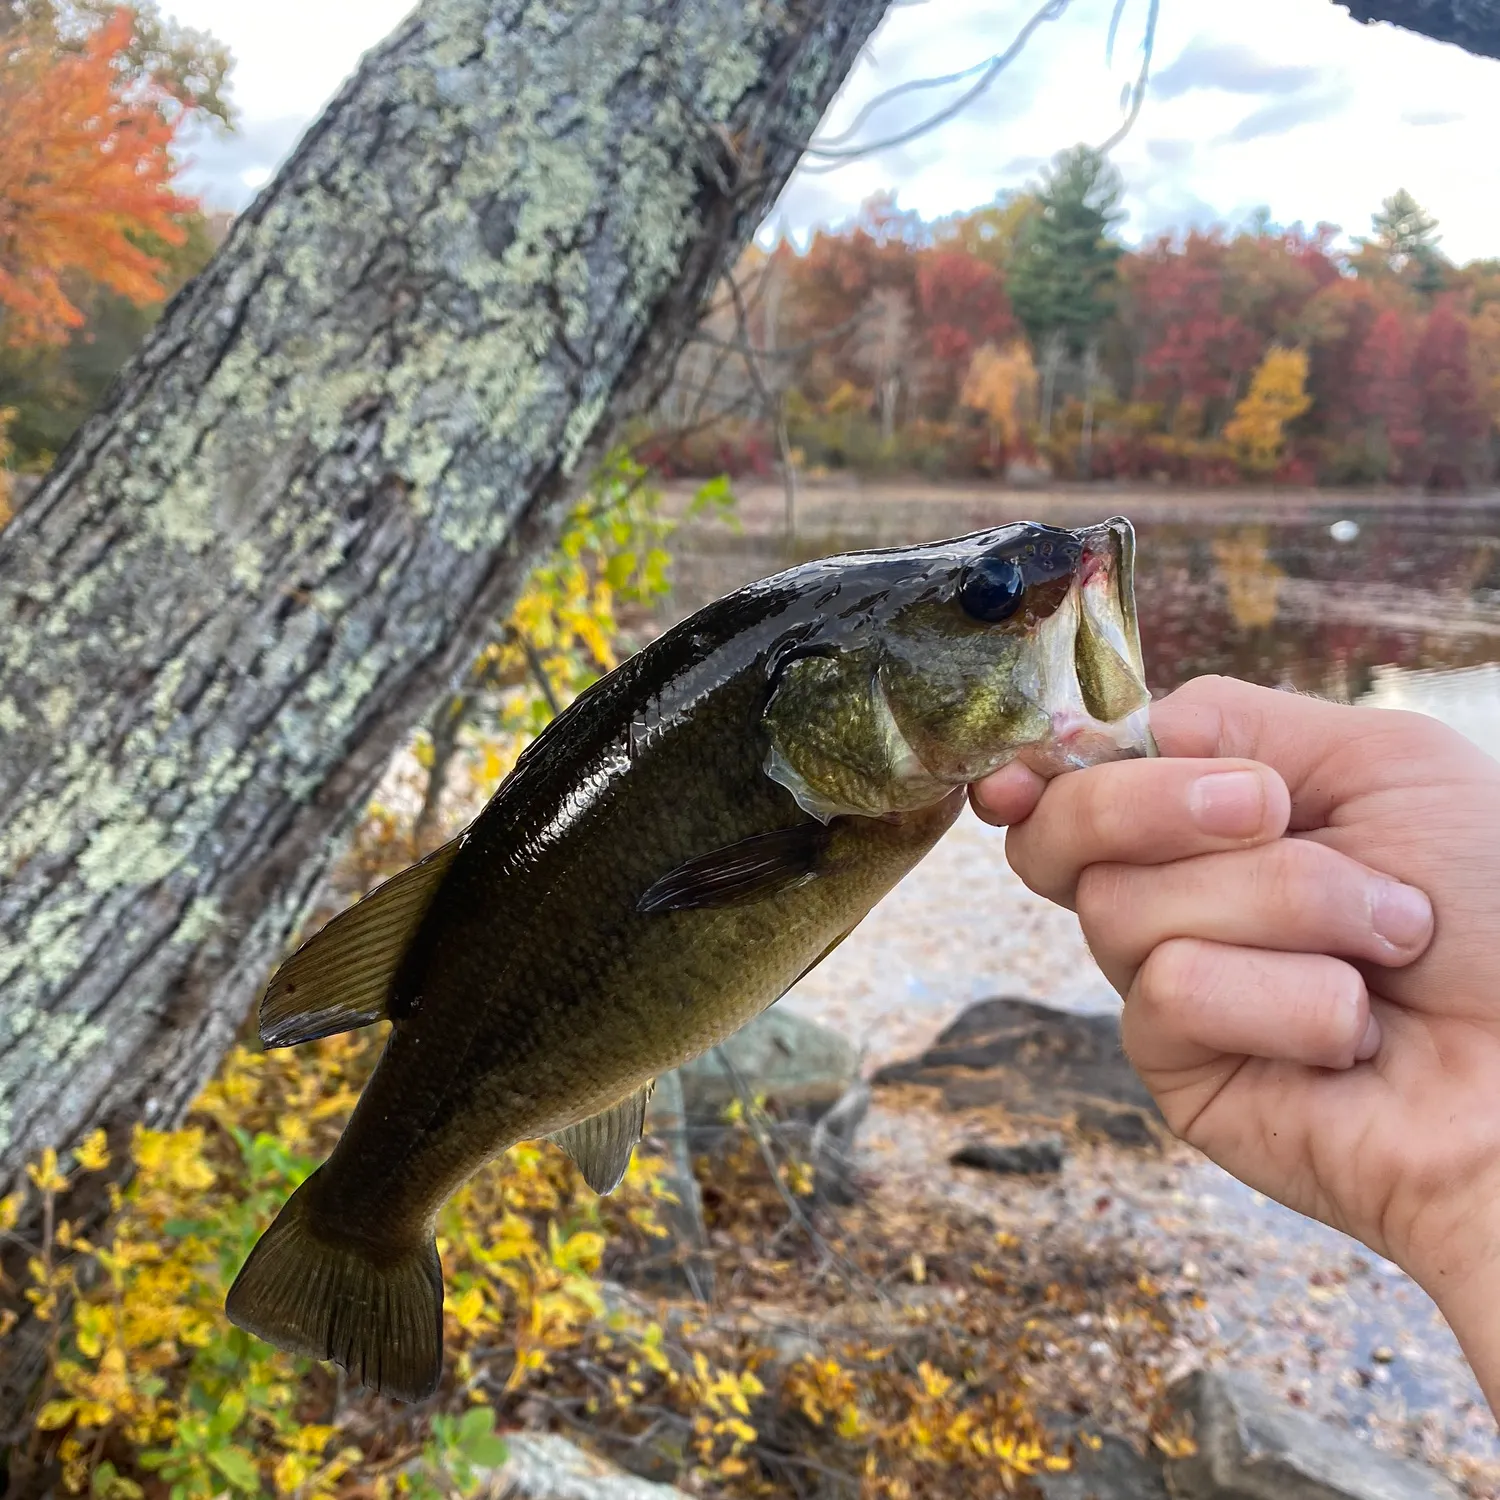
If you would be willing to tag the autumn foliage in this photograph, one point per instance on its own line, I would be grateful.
(84, 176)
(1212, 356)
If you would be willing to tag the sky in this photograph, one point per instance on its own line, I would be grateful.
(1287, 105)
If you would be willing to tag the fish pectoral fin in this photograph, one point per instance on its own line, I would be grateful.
(342, 978)
(762, 865)
(601, 1145)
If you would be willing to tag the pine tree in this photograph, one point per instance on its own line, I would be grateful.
(1406, 235)
(1062, 274)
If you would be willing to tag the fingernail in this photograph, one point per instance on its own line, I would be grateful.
(1228, 804)
(1369, 1044)
(1401, 914)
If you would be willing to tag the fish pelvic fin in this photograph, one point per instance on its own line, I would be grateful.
(375, 1310)
(601, 1145)
(344, 976)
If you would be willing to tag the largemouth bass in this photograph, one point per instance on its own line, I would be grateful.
(692, 835)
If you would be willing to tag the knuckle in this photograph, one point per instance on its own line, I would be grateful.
(1101, 822)
(1343, 1012)
(1173, 973)
(1290, 878)
(1026, 852)
(1105, 902)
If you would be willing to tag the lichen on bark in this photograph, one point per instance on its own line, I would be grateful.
(324, 474)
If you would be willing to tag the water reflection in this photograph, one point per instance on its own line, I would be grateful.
(1380, 618)
(1252, 582)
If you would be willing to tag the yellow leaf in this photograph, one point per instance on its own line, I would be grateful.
(467, 1308)
(56, 1414)
(93, 1152)
(45, 1174)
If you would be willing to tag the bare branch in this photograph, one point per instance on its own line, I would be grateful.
(1138, 94)
(1049, 11)
(791, 351)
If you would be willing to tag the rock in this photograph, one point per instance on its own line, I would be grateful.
(1125, 1126)
(1038, 1063)
(546, 1466)
(1044, 1154)
(1253, 1446)
(802, 1068)
(1113, 1471)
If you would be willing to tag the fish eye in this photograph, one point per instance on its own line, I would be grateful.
(991, 589)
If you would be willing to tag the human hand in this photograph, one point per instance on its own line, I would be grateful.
(1290, 1001)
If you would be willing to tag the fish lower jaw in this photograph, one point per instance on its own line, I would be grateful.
(1075, 741)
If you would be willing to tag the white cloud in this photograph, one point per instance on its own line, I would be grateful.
(1286, 103)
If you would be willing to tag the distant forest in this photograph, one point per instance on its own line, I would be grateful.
(1020, 339)
(1024, 337)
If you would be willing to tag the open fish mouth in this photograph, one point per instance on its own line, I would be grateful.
(1089, 675)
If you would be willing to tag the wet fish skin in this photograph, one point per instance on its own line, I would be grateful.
(587, 933)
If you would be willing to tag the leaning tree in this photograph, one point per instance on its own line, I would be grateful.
(321, 477)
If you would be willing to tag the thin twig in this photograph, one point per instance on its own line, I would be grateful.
(1138, 95)
(1049, 11)
(539, 671)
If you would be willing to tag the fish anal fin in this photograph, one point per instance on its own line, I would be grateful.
(378, 1312)
(342, 977)
(755, 868)
(601, 1145)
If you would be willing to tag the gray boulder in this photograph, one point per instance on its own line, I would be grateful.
(545, 1466)
(680, 1262)
(1253, 1446)
(1038, 1063)
(1113, 1471)
(802, 1068)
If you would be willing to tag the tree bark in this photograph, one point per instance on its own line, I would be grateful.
(1473, 25)
(285, 531)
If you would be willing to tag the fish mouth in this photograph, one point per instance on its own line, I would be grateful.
(1090, 678)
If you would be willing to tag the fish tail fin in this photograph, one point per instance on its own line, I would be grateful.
(376, 1310)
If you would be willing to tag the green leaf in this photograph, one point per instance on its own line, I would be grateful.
(618, 569)
(488, 1452)
(237, 1466)
(477, 1439)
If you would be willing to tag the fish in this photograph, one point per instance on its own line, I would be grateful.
(691, 836)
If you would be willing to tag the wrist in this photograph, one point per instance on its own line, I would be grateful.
(1463, 1278)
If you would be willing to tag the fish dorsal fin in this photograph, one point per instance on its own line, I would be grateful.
(601, 1145)
(342, 977)
(755, 868)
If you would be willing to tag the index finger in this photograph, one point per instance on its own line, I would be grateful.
(1143, 812)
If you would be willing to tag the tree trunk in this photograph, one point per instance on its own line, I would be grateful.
(323, 475)
(1473, 25)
